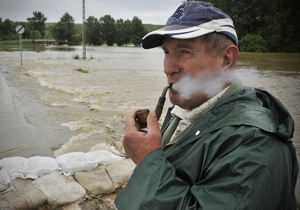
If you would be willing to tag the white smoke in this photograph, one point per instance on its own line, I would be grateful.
(204, 83)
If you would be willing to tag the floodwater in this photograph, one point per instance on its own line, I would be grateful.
(51, 107)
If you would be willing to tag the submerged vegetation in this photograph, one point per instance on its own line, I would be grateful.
(76, 57)
(82, 70)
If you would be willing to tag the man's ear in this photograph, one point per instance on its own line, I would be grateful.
(231, 56)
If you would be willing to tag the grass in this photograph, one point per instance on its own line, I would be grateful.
(110, 130)
(15, 46)
(82, 70)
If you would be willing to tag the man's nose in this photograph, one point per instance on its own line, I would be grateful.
(171, 65)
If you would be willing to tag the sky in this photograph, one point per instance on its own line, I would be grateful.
(149, 11)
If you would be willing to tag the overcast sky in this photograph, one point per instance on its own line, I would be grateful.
(149, 11)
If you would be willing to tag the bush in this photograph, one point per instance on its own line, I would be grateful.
(253, 43)
(76, 57)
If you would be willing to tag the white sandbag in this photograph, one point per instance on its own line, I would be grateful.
(59, 189)
(22, 195)
(5, 182)
(13, 166)
(120, 172)
(104, 157)
(37, 166)
(34, 167)
(75, 161)
(80, 161)
(107, 146)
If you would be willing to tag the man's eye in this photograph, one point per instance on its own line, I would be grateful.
(166, 52)
(184, 52)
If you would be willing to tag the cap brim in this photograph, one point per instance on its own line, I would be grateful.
(155, 38)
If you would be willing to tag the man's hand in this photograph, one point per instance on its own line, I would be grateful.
(138, 144)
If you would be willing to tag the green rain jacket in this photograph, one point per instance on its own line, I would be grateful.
(238, 155)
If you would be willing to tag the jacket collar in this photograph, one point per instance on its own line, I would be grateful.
(198, 128)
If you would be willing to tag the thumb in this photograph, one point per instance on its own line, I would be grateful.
(152, 122)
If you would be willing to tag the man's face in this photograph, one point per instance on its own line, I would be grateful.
(188, 57)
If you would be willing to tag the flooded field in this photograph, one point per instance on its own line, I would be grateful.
(89, 98)
(78, 103)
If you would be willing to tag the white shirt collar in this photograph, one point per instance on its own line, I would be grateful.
(198, 111)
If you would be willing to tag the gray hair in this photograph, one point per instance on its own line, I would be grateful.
(216, 43)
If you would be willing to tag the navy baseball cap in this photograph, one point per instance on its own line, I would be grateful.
(190, 20)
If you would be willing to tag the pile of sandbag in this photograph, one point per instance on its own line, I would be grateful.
(37, 166)
(29, 183)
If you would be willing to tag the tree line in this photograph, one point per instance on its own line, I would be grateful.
(261, 25)
(264, 25)
(98, 31)
(106, 29)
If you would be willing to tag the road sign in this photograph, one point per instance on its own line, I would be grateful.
(20, 29)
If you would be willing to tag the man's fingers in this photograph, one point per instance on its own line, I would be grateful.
(132, 126)
(130, 123)
(152, 122)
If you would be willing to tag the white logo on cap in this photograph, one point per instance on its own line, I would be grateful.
(179, 13)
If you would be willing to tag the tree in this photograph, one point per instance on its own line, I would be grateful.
(64, 30)
(93, 32)
(6, 29)
(28, 32)
(127, 32)
(123, 32)
(37, 22)
(60, 32)
(1, 28)
(108, 29)
(69, 20)
(138, 31)
(120, 32)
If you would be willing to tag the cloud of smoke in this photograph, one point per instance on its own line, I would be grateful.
(204, 83)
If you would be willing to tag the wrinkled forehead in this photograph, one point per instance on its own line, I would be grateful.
(193, 43)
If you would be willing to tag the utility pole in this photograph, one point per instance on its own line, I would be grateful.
(83, 31)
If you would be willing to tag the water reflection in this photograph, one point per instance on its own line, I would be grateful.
(271, 61)
(57, 48)
(60, 48)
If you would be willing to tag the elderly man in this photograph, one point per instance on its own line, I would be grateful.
(228, 148)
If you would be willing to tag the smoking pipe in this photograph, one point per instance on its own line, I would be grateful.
(141, 116)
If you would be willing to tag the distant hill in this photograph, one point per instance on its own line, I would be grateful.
(151, 27)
